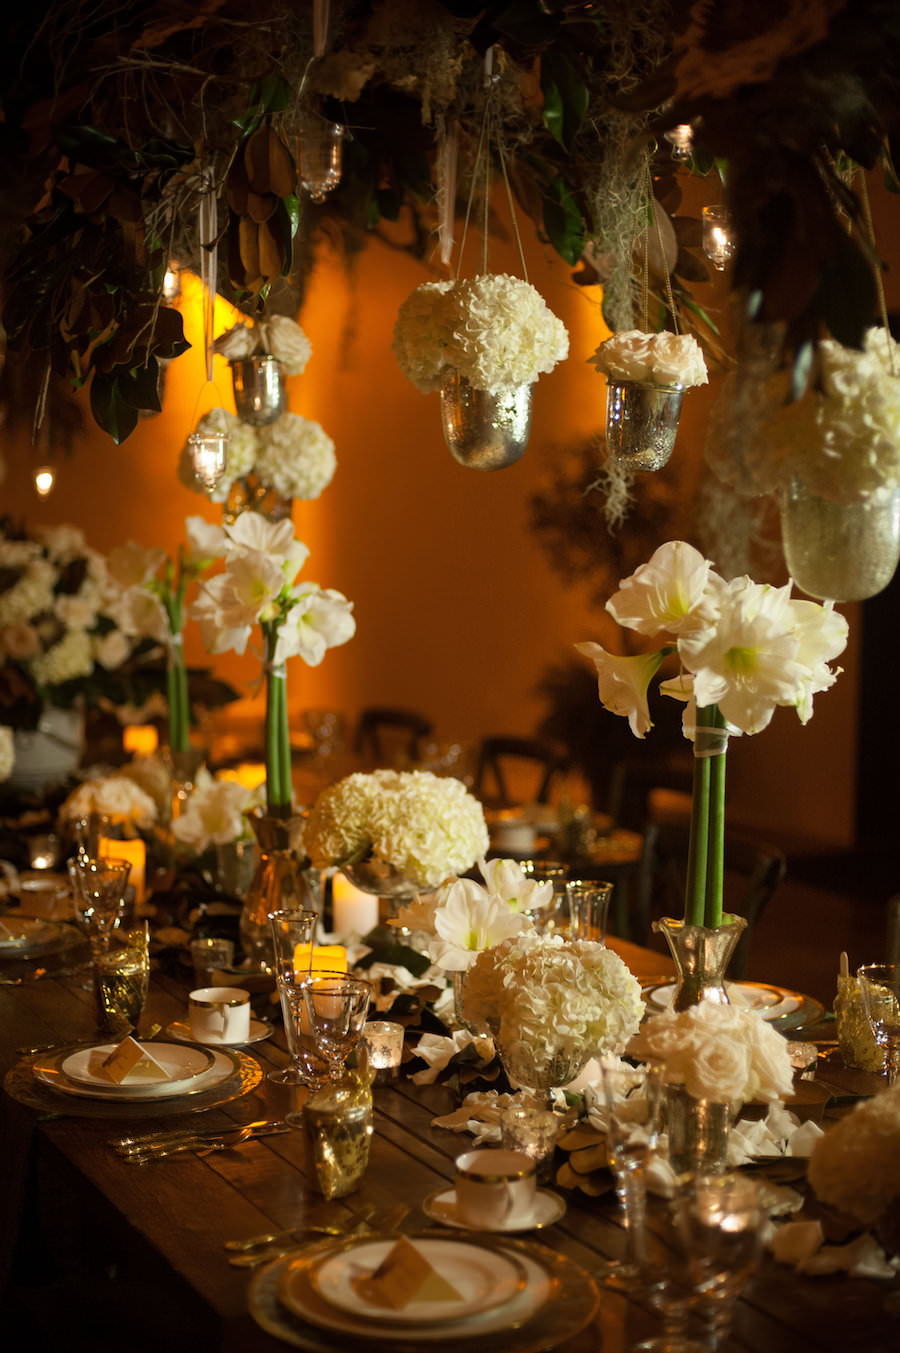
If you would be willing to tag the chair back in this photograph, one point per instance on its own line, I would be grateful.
(391, 738)
(892, 931)
(752, 873)
(504, 760)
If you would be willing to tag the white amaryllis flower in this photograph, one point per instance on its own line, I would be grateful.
(468, 920)
(214, 815)
(507, 879)
(132, 565)
(253, 532)
(674, 592)
(237, 343)
(208, 610)
(206, 539)
(320, 618)
(139, 612)
(821, 634)
(623, 683)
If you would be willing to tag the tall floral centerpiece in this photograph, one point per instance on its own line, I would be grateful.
(745, 648)
(296, 619)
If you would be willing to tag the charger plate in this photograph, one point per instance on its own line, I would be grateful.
(20, 1084)
(781, 1007)
(567, 1300)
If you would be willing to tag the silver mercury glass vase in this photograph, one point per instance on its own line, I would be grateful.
(642, 422)
(484, 431)
(840, 551)
(260, 395)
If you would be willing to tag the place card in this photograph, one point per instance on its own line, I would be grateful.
(130, 1056)
(403, 1276)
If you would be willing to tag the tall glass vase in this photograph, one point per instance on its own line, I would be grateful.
(281, 882)
(701, 955)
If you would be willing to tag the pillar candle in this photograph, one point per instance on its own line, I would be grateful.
(140, 739)
(135, 852)
(354, 912)
(250, 774)
(319, 958)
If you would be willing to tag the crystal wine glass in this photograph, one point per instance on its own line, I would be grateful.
(336, 1006)
(98, 890)
(879, 984)
(308, 1065)
(290, 929)
(632, 1098)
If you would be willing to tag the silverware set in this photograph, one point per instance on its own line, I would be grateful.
(253, 1251)
(158, 1145)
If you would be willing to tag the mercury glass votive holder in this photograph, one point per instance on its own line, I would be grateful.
(525, 1127)
(43, 850)
(384, 1044)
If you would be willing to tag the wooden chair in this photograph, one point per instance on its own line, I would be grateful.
(892, 931)
(752, 873)
(391, 738)
(501, 756)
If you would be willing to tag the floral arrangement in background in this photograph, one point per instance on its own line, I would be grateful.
(541, 990)
(658, 359)
(7, 753)
(466, 917)
(59, 637)
(496, 331)
(424, 826)
(855, 1166)
(745, 648)
(259, 587)
(278, 337)
(293, 455)
(214, 814)
(718, 1052)
(116, 797)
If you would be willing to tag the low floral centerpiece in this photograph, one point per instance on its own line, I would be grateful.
(397, 832)
(551, 1004)
(745, 649)
(855, 1166)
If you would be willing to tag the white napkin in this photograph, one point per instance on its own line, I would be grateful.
(437, 1051)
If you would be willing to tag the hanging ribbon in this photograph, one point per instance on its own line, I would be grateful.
(320, 26)
(208, 266)
(447, 164)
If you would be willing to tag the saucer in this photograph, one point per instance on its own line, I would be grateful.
(548, 1208)
(181, 1030)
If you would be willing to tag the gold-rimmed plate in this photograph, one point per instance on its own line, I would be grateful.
(567, 1301)
(47, 1070)
(177, 1067)
(780, 1006)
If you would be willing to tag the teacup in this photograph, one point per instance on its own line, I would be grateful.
(495, 1188)
(219, 1014)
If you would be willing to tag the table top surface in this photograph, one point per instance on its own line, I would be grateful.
(165, 1223)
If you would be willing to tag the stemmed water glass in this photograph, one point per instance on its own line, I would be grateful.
(336, 1007)
(632, 1102)
(98, 890)
(290, 929)
(879, 984)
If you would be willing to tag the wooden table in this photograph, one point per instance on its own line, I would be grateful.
(113, 1256)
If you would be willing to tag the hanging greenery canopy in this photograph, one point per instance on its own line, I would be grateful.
(116, 117)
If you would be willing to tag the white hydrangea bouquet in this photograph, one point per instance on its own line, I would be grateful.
(465, 917)
(297, 619)
(277, 336)
(294, 455)
(552, 1004)
(666, 359)
(745, 648)
(114, 797)
(855, 1166)
(408, 830)
(718, 1052)
(495, 330)
(59, 637)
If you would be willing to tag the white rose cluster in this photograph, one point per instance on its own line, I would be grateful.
(855, 1166)
(278, 336)
(424, 826)
(496, 330)
(657, 359)
(293, 455)
(547, 992)
(718, 1052)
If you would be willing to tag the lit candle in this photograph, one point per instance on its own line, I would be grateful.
(250, 774)
(135, 852)
(140, 739)
(354, 912)
(319, 958)
(384, 1044)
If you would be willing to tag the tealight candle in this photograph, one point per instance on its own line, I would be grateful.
(384, 1044)
(354, 912)
(319, 958)
(135, 852)
(43, 850)
(140, 739)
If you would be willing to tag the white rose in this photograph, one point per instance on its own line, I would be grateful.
(719, 1070)
(284, 339)
(236, 343)
(625, 356)
(676, 359)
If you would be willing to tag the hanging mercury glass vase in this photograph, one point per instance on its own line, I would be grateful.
(642, 422)
(840, 551)
(250, 494)
(484, 430)
(260, 393)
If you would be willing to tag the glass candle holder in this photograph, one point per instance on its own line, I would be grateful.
(524, 1127)
(43, 850)
(718, 237)
(208, 453)
(384, 1044)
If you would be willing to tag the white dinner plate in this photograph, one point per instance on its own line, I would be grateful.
(25, 932)
(179, 1066)
(49, 1072)
(773, 1003)
(442, 1207)
(297, 1293)
(483, 1278)
(259, 1029)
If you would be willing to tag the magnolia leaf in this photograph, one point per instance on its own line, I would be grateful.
(271, 256)
(269, 167)
(139, 386)
(563, 222)
(260, 206)
(291, 204)
(662, 245)
(565, 97)
(113, 413)
(248, 234)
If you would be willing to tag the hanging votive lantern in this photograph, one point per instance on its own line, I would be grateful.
(840, 551)
(260, 393)
(484, 430)
(681, 139)
(208, 452)
(718, 237)
(44, 479)
(320, 147)
(642, 422)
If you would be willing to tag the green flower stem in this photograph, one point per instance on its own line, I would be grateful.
(698, 848)
(177, 691)
(715, 874)
(278, 751)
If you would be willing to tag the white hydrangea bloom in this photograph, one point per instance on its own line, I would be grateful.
(72, 657)
(113, 796)
(422, 333)
(504, 334)
(295, 457)
(856, 1165)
